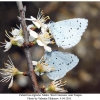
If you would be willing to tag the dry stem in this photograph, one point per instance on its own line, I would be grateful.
(26, 50)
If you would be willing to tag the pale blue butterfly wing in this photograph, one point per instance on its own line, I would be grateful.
(62, 62)
(67, 33)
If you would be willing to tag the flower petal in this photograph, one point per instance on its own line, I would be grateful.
(47, 48)
(34, 62)
(30, 26)
(35, 22)
(37, 73)
(15, 32)
(33, 18)
(11, 83)
(19, 39)
(33, 34)
(44, 28)
(31, 38)
(7, 46)
(30, 19)
(39, 42)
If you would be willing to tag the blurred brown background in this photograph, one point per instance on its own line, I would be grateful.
(85, 77)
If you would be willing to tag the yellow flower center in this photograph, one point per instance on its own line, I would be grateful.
(39, 68)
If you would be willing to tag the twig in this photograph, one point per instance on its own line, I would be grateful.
(26, 50)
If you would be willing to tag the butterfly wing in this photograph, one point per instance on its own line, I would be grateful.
(62, 62)
(67, 33)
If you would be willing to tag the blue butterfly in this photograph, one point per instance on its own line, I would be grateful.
(67, 33)
(55, 64)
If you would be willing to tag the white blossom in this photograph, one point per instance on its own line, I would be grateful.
(39, 22)
(7, 45)
(16, 32)
(42, 67)
(42, 39)
(32, 34)
(19, 40)
(13, 40)
(9, 72)
(56, 86)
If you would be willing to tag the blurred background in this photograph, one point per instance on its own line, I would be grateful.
(85, 77)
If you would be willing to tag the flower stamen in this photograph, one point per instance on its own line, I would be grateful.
(9, 72)
(7, 35)
(56, 86)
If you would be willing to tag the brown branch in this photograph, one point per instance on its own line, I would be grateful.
(26, 50)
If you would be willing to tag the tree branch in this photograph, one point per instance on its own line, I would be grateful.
(26, 50)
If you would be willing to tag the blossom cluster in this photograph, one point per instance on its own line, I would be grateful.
(43, 38)
(49, 33)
